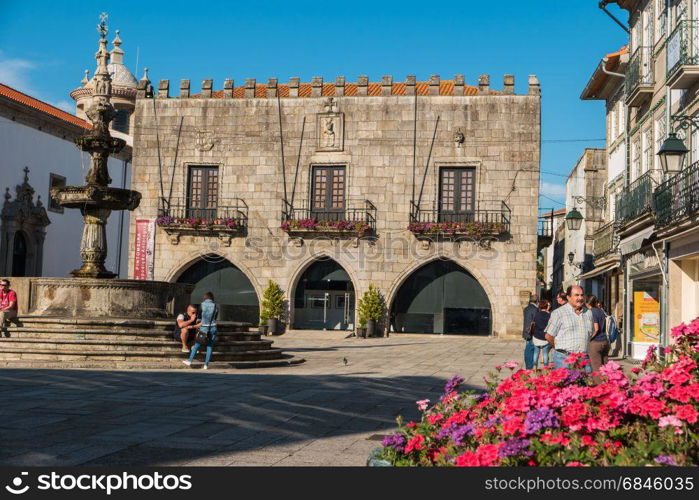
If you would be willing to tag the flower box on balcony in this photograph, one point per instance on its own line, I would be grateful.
(323, 227)
(474, 230)
(224, 228)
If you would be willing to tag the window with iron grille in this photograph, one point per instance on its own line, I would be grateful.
(456, 194)
(202, 195)
(328, 192)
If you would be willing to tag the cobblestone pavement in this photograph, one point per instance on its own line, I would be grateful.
(322, 412)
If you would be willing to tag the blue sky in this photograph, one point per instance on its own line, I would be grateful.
(46, 46)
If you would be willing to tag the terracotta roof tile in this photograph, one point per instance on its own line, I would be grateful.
(446, 87)
(46, 108)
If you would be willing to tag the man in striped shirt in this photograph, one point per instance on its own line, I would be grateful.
(570, 328)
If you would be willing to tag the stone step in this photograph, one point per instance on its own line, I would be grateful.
(57, 323)
(121, 334)
(167, 364)
(10, 353)
(222, 345)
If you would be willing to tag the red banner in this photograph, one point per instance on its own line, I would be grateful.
(144, 249)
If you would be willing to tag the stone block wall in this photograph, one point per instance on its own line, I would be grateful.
(237, 129)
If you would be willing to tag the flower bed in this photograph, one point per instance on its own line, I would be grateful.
(557, 417)
(197, 223)
(474, 230)
(325, 226)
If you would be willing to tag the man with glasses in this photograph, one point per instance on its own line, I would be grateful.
(8, 304)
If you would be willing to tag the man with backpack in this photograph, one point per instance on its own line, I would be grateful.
(600, 343)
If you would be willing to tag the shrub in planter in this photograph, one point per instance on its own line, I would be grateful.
(564, 417)
(370, 310)
(272, 307)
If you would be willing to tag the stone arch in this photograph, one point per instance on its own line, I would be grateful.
(410, 270)
(295, 277)
(220, 263)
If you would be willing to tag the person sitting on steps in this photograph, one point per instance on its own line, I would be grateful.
(8, 305)
(209, 311)
(187, 326)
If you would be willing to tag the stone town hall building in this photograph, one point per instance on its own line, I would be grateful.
(427, 190)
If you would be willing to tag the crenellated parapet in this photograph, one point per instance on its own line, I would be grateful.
(363, 87)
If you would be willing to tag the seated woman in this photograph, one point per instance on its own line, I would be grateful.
(186, 326)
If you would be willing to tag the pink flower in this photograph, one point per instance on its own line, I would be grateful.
(511, 365)
(422, 404)
(670, 420)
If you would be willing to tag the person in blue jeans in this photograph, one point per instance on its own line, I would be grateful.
(529, 349)
(542, 346)
(570, 328)
(209, 311)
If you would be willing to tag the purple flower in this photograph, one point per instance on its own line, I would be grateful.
(573, 376)
(665, 460)
(515, 446)
(395, 441)
(539, 418)
(453, 383)
(456, 432)
(497, 419)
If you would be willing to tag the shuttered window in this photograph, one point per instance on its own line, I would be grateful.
(456, 193)
(328, 191)
(202, 199)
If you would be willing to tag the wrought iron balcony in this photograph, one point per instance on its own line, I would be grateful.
(634, 200)
(545, 232)
(678, 197)
(683, 55)
(605, 241)
(491, 219)
(639, 77)
(353, 219)
(185, 217)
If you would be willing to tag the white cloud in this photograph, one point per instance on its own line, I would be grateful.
(555, 191)
(15, 73)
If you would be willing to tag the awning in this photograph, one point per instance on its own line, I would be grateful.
(634, 243)
(598, 270)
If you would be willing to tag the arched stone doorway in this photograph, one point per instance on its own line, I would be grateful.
(233, 291)
(324, 298)
(441, 297)
(19, 255)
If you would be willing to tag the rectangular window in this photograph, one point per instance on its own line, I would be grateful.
(202, 199)
(55, 180)
(660, 135)
(647, 150)
(660, 19)
(635, 159)
(456, 194)
(328, 192)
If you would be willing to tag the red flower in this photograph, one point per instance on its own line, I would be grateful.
(686, 412)
(468, 459)
(416, 443)
(433, 419)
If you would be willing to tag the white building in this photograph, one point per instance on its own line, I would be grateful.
(37, 237)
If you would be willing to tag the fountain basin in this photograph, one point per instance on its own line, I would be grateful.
(94, 196)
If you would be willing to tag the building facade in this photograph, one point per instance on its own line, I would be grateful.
(425, 189)
(655, 213)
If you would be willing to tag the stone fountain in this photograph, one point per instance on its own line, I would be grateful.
(94, 320)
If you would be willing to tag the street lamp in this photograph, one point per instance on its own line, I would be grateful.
(573, 220)
(672, 153)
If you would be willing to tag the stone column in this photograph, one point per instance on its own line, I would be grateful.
(93, 246)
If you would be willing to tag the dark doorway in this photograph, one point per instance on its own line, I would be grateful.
(442, 297)
(232, 290)
(324, 298)
(19, 255)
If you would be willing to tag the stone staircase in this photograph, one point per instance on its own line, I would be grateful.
(112, 343)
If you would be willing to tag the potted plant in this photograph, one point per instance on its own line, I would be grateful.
(370, 310)
(272, 307)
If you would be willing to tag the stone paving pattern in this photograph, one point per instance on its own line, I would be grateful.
(322, 412)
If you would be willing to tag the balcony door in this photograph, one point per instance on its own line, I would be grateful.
(456, 194)
(202, 193)
(328, 192)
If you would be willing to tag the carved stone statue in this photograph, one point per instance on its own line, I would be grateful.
(329, 133)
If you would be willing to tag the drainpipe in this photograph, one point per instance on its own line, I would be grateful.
(603, 5)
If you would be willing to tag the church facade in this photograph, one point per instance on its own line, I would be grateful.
(426, 190)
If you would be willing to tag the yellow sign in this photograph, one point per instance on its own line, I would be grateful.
(646, 312)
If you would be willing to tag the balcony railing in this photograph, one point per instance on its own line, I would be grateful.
(634, 200)
(677, 197)
(605, 241)
(355, 219)
(492, 218)
(640, 70)
(182, 216)
(682, 47)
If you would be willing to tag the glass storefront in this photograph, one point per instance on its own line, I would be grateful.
(232, 290)
(441, 297)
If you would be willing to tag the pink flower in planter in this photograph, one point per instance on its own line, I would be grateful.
(422, 404)
(670, 420)
(511, 365)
